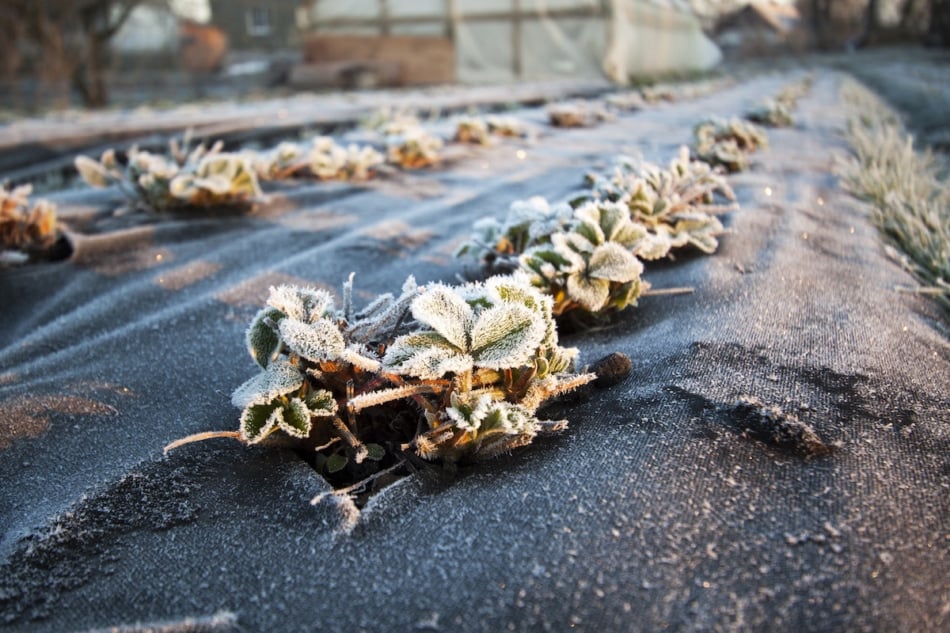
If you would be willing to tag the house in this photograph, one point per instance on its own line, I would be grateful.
(257, 25)
(758, 28)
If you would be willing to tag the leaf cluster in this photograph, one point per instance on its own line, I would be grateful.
(677, 205)
(728, 142)
(777, 112)
(578, 113)
(586, 254)
(413, 148)
(24, 226)
(443, 372)
(199, 177)
(321, 158)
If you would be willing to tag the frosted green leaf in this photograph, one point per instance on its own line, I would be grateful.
(314, 341)
(296, 418)
(442, 309)
(654, 246)
(701, 230)
(430, 362)
(468, 415)
(508, 419)
(259, 420)
(517, 288)
(568, 246)
(506, 336)
(317, 303)
(407, 346)
(287, 299)
(263, 343)
(91, 171)
(560, 359)
(359, 356)
(590, 232)
(592, 294)
(613, 262)
(321, 403)
(303, 304)
(278, 379)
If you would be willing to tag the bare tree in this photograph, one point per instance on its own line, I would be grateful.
(70, 39)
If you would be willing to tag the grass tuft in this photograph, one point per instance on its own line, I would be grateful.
(909, 203)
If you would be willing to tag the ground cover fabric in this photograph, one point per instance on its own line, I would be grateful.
(663, 505)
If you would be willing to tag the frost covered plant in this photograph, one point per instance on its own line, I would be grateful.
(591, 265)
(772, 113)
(389, 121)
(413, 149)
(25, 227)
(201, 177)
(315, 358)
(728, 142)
(441, 372)
(577, 114)
(790, 94)
(626, 101)
(489, 354)
(677, 205)
(323, 159)
(472, 130)
(498, 244)
(505, 126)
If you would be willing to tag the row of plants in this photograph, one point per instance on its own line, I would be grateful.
(906, 189)
(587, 253)
(458, 372)
(439, 372)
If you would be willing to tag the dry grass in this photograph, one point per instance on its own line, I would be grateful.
(905, 188)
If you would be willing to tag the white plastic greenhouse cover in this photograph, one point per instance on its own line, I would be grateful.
(505, 40)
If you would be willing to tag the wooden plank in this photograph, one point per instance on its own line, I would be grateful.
(424, 60)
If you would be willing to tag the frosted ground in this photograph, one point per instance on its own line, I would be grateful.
(656, 508)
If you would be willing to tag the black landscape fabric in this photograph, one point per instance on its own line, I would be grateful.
(777, 458)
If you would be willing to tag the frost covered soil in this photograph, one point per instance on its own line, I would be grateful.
(777, 458)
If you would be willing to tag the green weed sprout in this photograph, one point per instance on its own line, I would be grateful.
(25, 227)
(323, 158)
(201, 177)
(728, 142)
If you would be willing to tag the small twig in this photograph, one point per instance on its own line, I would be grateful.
(656, 292)
(922, 290)
(200, 437)
(358, 485)
(327, 445)
(352, 441)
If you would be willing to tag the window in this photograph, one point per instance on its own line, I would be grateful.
(258, 21)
